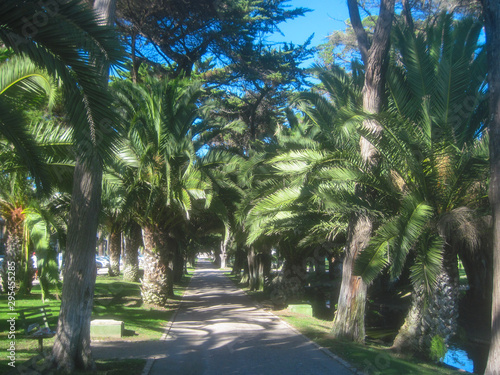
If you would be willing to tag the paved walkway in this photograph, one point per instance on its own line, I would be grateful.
(219, 330)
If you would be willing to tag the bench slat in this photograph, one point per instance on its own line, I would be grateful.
(32, 316)
(40, 316)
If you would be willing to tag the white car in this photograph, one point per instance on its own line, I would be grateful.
(101, 262)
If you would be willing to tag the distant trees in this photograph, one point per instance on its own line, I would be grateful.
(187, 33)
(89, 107)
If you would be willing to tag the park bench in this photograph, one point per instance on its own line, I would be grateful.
(36, 325)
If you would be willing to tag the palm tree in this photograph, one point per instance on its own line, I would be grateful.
(133, 240)
(14, 199)
(72, 47)
(27, 214)
(437, 152)
(113, 212)
(292, 207)
(168, 183)
(23, 84)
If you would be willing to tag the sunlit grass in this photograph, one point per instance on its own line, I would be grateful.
(371, 358)
(114, 298)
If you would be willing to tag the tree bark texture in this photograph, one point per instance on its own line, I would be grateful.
(252, 269)
(289, 286)
(432, 315)
(258, 269)
(223, 253)
(217, 260)
(491, 11)
(475, 312)
(72, 345)
(154, 283)
(350, 316)
(115, 248)
(26, 267)
(133, 241)
(349, 322)
(178, 262)
(13, 253)
(239, 262)
(157, 284)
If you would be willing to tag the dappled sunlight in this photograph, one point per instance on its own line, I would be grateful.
(219, 330)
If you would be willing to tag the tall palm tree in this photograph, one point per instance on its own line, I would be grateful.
(30, 141)
(437, 152)
(168, 183)
(14, 199)
(293, 206)
(21, 84)
(24, 210)
(73, 48)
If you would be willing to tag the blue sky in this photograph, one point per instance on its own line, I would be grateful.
(325, 17)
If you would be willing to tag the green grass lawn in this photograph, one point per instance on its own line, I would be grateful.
(114, 299)
(372, 358)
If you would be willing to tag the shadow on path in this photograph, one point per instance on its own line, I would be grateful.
(219, 330)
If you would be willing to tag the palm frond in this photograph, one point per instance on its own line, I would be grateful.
(428, 263)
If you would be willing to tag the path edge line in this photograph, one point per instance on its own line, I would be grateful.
(327, 352)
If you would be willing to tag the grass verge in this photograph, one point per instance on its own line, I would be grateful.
(372, 358)
(114, 298)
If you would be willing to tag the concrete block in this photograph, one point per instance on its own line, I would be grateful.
(301, 309)
(106, 328)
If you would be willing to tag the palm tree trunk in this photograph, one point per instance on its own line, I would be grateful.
(101, 244)
(223, 253)
(154, 284)
(217, 258)
(170, 245)
(491, 12)
(13, 254)
(290, 285)
(434, 315)
(350, 316)
(178, 264)
(133, 241)
(115, 247)
(72, 345)
(245, 277)
(239, 262)
(27, 269)
(349, 322)
(255, 281)
(410, 334)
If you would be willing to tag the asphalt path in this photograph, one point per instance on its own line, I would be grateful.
(219, 330)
